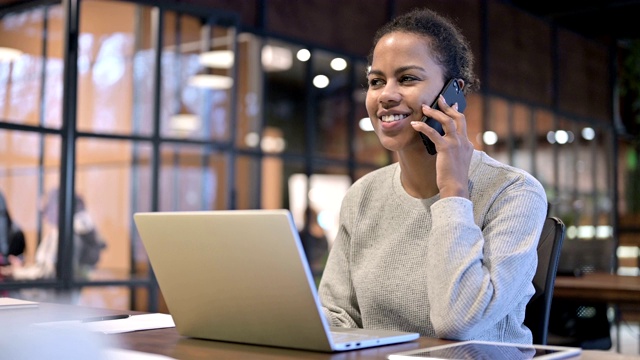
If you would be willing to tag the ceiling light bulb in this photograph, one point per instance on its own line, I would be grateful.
(219, 59)
(303, 55)
(490, 137)
(338, 64)
(365, 124)
(276, 58)
(321, 81)
(588, 133)
(211, 81)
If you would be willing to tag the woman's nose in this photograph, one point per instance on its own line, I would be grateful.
(390, 94)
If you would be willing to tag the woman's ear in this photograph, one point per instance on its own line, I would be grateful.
(460, 84)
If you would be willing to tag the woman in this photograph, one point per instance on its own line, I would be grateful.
(445, 244)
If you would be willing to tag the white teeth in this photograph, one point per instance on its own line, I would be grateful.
(392, 118)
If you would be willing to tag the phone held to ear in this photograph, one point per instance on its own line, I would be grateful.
(452, 94)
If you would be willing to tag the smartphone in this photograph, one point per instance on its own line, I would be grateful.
(452, 94)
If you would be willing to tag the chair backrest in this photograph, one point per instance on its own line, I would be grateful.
(539, 306)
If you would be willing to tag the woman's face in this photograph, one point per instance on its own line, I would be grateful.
(404, 75)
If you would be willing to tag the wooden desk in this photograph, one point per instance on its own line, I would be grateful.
(599, 287)
(168, 342)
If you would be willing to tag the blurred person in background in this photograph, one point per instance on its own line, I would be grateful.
(87, 246)
(315, 243)
(12, 241)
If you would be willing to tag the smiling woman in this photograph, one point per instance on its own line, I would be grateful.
(444, 242)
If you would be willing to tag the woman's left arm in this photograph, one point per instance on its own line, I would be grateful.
(483, 274)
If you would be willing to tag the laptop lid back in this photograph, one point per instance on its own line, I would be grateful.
(238, 276)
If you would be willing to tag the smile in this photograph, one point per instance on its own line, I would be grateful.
(392, 118)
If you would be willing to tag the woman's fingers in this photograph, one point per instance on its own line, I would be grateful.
(452, 121)
(455, 121)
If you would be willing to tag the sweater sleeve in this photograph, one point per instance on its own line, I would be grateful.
(483, 272)
(336, 291)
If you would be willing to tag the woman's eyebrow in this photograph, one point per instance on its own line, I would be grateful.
(399, 70)
(407, 68)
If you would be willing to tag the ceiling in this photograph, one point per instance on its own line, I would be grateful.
(595, 19)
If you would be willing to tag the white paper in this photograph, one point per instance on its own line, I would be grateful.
(132, 323)
(122, 354)
(11, 303)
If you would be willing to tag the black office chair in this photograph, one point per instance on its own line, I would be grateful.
(539, 306)
(582, 323)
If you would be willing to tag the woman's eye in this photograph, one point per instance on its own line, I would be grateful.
(375, 82)
(407, 78)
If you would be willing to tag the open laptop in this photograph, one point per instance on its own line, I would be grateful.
(242, 276)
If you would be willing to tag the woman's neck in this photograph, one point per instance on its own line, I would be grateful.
(418, 174)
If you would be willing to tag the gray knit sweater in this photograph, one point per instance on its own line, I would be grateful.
(450, 268)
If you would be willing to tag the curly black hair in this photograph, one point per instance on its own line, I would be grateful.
(447, 42)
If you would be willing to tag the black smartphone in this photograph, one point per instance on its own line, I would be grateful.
(452, 93)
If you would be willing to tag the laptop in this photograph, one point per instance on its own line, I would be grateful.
(242, 276)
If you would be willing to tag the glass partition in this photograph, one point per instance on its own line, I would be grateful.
(29, 163)
(522, 141)
(249, 84)
(544, 154)
(127, 149)
(285, 69)
(106, 51)
(103, 185)
(332, 90)
(31, 66)
(191, 178)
